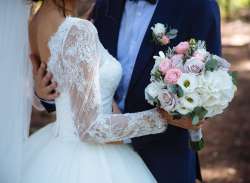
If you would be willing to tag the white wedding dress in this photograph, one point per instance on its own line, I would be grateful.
(74, 149)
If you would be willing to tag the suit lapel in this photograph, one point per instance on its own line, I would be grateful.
(162, 14)
(108, 24)
(115, 12)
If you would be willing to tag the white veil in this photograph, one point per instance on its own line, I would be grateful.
(15, 87)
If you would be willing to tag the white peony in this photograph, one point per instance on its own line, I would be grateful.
(188, 82)
(152, 91)
(159, 29)
(215, 110)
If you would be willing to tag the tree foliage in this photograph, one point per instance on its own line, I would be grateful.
(230, 7)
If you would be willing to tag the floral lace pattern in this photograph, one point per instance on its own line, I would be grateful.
(76, 59)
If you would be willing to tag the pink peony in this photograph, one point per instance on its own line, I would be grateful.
(165, 65)
(172, 76)
(165, 40)
(182, 48)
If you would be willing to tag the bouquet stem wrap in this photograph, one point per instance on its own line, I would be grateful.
(197, 142)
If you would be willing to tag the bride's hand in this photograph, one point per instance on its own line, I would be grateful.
(185, 122)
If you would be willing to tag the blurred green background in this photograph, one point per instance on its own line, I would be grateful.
(232, 9)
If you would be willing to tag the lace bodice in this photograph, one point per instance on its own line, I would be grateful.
(87, 77)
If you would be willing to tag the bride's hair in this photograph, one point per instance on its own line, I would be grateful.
(82, 6)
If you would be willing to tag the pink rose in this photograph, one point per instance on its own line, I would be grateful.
(165, 40)
(165, 65)
(172, 76)
(182, 48)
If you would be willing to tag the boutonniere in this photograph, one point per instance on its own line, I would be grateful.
(162, 34)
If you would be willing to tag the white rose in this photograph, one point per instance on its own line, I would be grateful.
(188, 82)
(159, 29)
(152, 91)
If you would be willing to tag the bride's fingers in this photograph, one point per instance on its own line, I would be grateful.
(53, 96)
(51, 87)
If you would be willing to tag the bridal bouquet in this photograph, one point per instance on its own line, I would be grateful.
(189, 81)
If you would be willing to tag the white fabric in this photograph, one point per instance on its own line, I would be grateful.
(68, 150)
(135, 21)
(15, 92)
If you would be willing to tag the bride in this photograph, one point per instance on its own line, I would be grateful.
(78, 146)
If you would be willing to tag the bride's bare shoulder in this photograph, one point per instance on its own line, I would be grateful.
(41, 27)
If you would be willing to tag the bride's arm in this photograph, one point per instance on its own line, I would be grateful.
(80, 70)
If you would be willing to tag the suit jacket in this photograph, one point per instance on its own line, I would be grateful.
(167, 155)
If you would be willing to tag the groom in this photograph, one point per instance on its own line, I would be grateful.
(125, 30)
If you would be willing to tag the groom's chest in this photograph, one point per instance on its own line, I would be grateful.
(112, 24)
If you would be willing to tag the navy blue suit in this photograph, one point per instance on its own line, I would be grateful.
(167, 155)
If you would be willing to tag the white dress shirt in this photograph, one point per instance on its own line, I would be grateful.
(135, 21)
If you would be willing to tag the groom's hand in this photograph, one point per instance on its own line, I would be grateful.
(44, 86)
(185, 123)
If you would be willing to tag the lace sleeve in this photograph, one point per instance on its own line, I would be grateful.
(81, 65)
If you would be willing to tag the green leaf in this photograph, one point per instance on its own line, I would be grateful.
(195, 120)
(172, 33)
(197, 146)
(157, 102)
(212, 64)
(234, 76)
(200, 112)
(173, 89)
(157, 75)
(180, 92)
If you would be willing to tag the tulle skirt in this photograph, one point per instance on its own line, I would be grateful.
(51, 159)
